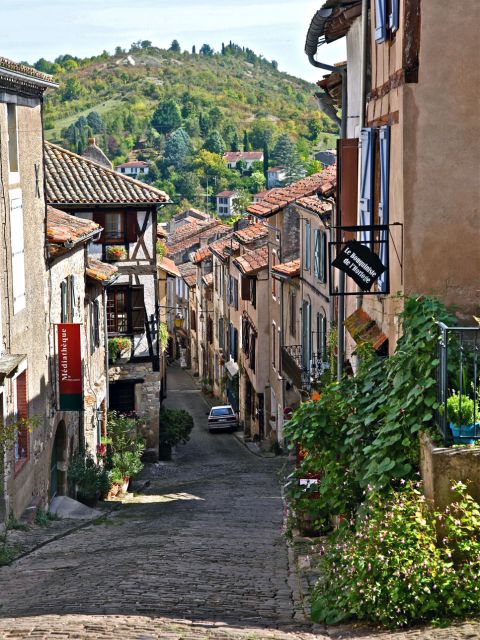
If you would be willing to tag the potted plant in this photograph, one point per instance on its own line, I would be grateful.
(91, 480)
(115, 252)
(119, 349)
(461, 414)
(175, 427)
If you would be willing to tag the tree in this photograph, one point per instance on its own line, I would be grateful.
(72, 89)
(285, 155)
(235, 142)
(256, 182)
(194, 50)
(206, 50)
(119, 51)
(177, 149)
(246, 141)
(241, 202)
(146, 44)
(204, 123)
(188, 186)
(175, 46)
(167, 117)
(215, 143)
(262, 132)
(95, 122)
(314, 126)
(266, 159)
(215, 117)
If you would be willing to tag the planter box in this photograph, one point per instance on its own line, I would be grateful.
(465, 433)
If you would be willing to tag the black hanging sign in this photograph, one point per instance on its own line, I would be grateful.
(359, 263)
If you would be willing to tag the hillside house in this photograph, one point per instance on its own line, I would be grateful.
(134, 168)
(247, 158)
(276, 177)
(225, 203)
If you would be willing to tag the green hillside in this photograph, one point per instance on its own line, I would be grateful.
(134, 102)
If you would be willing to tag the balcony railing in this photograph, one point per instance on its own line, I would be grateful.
(303, 375)
(458, 393)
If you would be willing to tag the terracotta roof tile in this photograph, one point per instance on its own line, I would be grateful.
(100, 271)
(9, 65)
(290, 269)
(252, 261)
(72, 179)
(169, 266)
(278, 199)
(190, 229)
(188, 272)
(64, 229)
(314, 204)
(363, 329)
(226, 194)
(208, 279)
(206, 232)
(235, 156)
(201, 254)
(224, 247)
(252, 232)
(133, 164)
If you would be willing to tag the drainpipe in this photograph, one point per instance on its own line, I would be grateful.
(363, 89)
(341, 275)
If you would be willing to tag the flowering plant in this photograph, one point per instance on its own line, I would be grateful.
(101, 450)
(116, 252)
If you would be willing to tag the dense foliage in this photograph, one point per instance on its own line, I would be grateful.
(91, 480)
(403, 563)
(230, 100)
(175, 426)
(124, 446)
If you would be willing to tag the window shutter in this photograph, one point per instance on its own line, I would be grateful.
(380, 21)
(131, 225)
(253, 292)
(235, 344)
(235, 293)
(63, 302)
(317, 253)
(323, 257)
(253, 342)
(307, 246)
(137, 309)
(246, 288)
(73, 299)
(97, 323)
(92, 326)
(347, 183)
(394, 20)
(366, 182)
(18, 254)
(383, 213)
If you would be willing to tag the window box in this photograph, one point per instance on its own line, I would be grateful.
(114, 253)
(119, 349)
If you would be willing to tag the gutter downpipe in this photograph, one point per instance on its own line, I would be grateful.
(341, 275)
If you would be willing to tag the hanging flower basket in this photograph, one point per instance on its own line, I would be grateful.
(115, 252)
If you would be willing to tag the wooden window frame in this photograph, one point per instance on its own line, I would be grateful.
(133, 323)
(22, 438)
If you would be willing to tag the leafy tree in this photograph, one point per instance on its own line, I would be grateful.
(188, 186)
(44, 66)
(146, 44)
(206, 50)
(246, 141)
(95, 122)
(72, 89)
(241, 202)
(215, 143)
(215, 116)
(314, 126)
(235, 143)
(177, 149)
(274, 64)
(119, 51)
(266, 158)
(167, 117)
(314, 166)
(175, 46)
(285, 155)
(262, 132)
(194, 50)
(204, 123)
(256, 182)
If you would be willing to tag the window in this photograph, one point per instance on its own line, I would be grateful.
(252, 352)
(122, 397)
(387, 19)
(253, 292)
(122, 169)
(68, 300)
(193, 320)
(274, 347)
(274, 282)
(306, 334)
(235, 293)
(307, 246)
(221, 337)
(18, 251)
(94, 325)
(114, 227)
(12, 138)
(293, 314)
(126, 310)
(279, 347)
(321, 336)
(320, 257)
(20, 399)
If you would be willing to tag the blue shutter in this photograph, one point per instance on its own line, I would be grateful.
(394, 20)
(317, 253)
(380, 21)
(383, 213)
(367, 168)
(323, 257)
(308, 242)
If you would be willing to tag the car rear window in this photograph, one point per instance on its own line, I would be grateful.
(221, 411)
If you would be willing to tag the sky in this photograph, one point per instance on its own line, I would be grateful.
(33, 29)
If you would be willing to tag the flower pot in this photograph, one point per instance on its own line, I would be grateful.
(464, 433)
(124, 487)
(165, 451)
(114, 490)
(124, 355)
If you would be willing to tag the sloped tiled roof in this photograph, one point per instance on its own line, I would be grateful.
(72, 179)
(64, 229)
(208, 279)
(10, 65)
(235, 156)
(209, 234)
(251, 233)
(190, 229)
(101, 271)
(226, 194)
(188, 272)
(290, 269)
(201, 254)
(315, 205)
(252, 261)
(225, 247)
(168, 265)
(278, 199)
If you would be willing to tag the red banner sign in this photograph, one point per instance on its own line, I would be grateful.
(70, 381)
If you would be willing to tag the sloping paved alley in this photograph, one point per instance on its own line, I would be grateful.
(198, 554)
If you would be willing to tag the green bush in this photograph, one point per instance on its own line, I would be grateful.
(175, 426)
(91, 480)
(390, 568)
(461, 410)
(124, 446)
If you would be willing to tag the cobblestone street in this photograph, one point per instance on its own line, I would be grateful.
(197, 554)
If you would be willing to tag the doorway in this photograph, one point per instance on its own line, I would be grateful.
(58, 463)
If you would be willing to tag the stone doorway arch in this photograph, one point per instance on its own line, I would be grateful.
(58, 464)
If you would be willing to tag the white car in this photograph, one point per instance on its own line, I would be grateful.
(222, 417)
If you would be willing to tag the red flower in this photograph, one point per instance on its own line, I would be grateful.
(101, 450)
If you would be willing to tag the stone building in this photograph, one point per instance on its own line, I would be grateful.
(76, 294)
(24, 367)
(127, 211)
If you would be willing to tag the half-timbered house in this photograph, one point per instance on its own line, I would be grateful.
(127, 212)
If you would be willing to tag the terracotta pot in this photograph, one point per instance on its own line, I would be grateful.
(114, 489)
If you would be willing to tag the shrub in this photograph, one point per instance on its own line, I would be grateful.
(91, 479)
(461, 410)
(390, 569)
(116, 345)
(175, 426)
